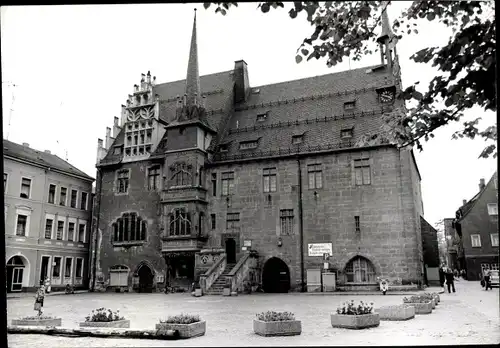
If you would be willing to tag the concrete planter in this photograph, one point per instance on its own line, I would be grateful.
(37, 322)
(277, 328)
(185, 330)
(422, 308)
(124, 324)
(396, 312)
(355, 321)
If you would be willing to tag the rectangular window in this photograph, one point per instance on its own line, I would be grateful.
(286, 217)
(22, 221)
(62, 196)
(214, 184)
(494, 239)
(349, 105)
(233, 221)
(227, 183)
(52, 194)
(5, 175)
(68, 268)
(475, 240)
(74, 196)
(314, 173)
(81, 233)
(356, 223)
(492, 209)
(245, 145)
(212, 220)
(48, 228)
(83, 201)
(362, 171)
(71, 231)
(60, 230)
(269, 176)
(154, 178)
(297, 139)
(123, 180)
(25, 188)
(79, 268)
(56, 270)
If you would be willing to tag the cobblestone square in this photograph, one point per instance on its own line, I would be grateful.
(470, 316)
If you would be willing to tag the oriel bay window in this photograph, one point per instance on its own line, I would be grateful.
(180, 222)
(181, 175)
(129, 228)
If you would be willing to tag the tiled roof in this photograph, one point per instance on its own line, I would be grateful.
(467, 207)
(41, 158)
(110, 156)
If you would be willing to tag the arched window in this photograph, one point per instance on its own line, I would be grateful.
(181, 175)
(129, 228)
(180, 222)
(359, 270)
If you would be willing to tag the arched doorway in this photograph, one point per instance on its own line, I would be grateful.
(146, 277)
(15, 274)
(275, 276)
(230, 250)
(359, 270)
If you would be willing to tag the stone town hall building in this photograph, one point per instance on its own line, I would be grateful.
(246, 187)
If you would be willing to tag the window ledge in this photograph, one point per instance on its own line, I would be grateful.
(131, 243)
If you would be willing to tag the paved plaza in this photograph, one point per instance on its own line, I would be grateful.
(470, 316)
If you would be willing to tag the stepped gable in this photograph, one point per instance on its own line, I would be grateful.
(313, 107)
(41, 158)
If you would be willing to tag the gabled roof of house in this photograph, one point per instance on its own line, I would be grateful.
(41, 158)
(467, 207)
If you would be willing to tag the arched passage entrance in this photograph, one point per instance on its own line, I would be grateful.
(275, 276)
(15, 274)
(146, 277)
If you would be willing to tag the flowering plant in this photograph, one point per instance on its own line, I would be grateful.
(38, 317)
(350, 308)
(181, 319)
(416, 299)
(275, 316)
(103, 315)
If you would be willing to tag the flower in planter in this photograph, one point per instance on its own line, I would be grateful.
(181, 319)
(416, 299)
(103, 315)
(275, 316)
(38, 317)
(349, 308)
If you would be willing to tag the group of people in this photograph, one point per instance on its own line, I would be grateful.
(445, 273)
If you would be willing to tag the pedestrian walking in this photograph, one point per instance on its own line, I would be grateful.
(450, 280)
(39, 297)
(487, 280)
(441, 276)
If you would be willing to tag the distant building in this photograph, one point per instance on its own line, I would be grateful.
(455, 257)
(47, 219)
(476, 224)
(430, 249)
(213, 181)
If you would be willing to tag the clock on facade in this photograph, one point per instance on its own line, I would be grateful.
(386, 96)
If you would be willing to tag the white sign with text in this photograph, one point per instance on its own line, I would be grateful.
(318, 249)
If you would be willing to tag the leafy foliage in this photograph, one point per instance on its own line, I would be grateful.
(275, 316)
(417, 299)
(182, 319)
(466, 65)
(350, 308)
(103, 315)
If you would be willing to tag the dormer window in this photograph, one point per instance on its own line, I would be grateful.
(223, 148)
(117, 150)
(350, 105)
(297, 139)
(346, 133)
(246, 145)
(261, 117)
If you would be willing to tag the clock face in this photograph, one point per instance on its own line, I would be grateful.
(386, 96)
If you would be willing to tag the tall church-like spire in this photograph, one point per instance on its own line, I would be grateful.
(387, 40)
(193, 91)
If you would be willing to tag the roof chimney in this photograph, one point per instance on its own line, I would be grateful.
(47, 151)
(481, 184)
(464, 201)
(26, 144)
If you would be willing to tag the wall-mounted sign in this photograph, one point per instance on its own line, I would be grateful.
(247, 243)
(318, 249)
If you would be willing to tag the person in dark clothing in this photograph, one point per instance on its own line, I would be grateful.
(441, 276)
(450, 280)
(487, 278)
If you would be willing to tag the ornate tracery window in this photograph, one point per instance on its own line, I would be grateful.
(180, 222)
(129, 228)
(359, 270)
(181, 174)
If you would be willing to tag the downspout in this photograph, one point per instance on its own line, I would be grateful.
(96, 230)
(301, 228)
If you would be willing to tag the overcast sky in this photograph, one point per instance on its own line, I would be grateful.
(73, 67)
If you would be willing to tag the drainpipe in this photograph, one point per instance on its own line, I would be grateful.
(301, 228)
(96, 230)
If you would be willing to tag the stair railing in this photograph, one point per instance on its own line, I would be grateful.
(214, 272)
(238, 274)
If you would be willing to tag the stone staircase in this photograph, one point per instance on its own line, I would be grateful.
(218, 286)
